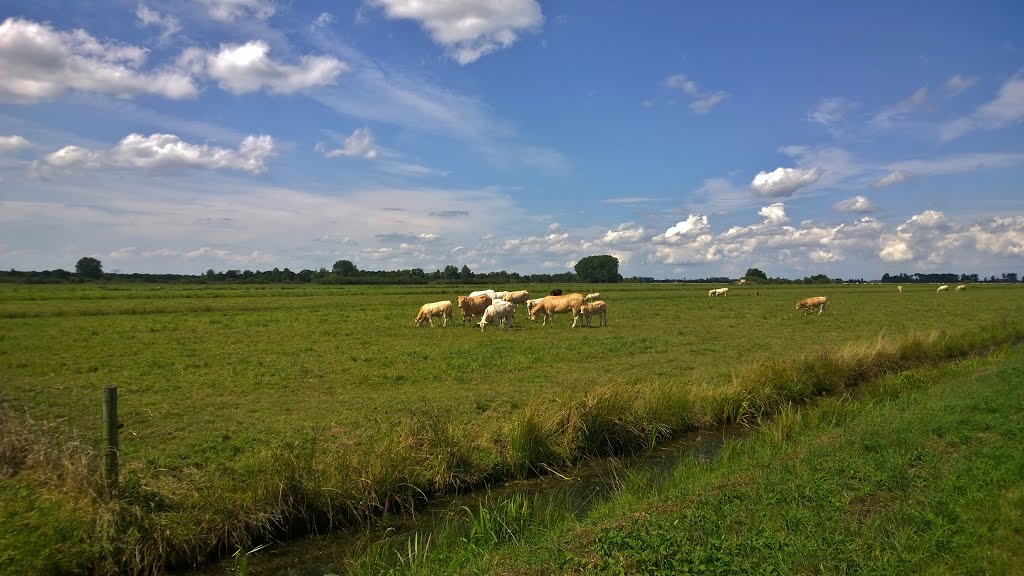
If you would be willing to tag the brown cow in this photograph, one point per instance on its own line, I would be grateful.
(809, 304)
(596, 308)
(473, 306)
(551, 305)
(428, 311)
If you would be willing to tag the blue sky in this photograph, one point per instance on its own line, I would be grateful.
(687, 139)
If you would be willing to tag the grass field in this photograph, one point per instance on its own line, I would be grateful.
(220, 387)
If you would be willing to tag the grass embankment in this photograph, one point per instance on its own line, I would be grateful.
(306, 483)
(919, 472)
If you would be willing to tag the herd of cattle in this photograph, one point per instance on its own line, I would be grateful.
(495, 307)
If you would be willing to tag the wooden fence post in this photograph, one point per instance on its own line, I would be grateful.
(110, 426)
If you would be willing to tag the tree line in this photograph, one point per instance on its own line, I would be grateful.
(591, 270)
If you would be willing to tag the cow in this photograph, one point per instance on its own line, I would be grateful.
(961, 288)
(942, 288)
(899, 289)
(551, 305)
(517, 296)
(499, 311)
(809, 304)
(473, 306)
(718, 292)
(596, 308)
(490, 294)
(556, 292)
(591, 297)
(529, 306)
(428, 311)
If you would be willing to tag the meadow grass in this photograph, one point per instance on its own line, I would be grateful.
(254, 411)
(917, 472)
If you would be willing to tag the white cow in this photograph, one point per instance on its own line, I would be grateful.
(899, 289)
(718, 292)
(961, 288)
(529, 307)
(490, 294)
(499, 311)
(591, 297)
(942, 288)
(596, 308)
(428, 311)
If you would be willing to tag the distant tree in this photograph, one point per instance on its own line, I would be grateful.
(450, 273)
(465, 273)
(89, 267)
(345, 268)
(603, 268)
(754, 273)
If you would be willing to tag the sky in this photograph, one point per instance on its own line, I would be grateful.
(687, 139)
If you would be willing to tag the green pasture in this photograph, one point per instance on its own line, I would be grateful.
(250, 411)
(207, 373)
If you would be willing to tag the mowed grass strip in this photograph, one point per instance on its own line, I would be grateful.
(920, 472)
(326, 406)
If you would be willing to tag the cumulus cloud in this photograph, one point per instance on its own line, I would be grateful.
(41, 63)
(231, 10)
(857, 205)
(783, 182)
(774, 214)
(168, 25)
(627, 233)
(701, 101)
(13, 143)
(930, 239)
(468, 29)
(1007, 108)
(244, 68)
(359, 145)
(166, 151)
(695, 224)
(894, 177)
(400, 237)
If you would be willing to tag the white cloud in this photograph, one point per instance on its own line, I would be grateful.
(702, 102)
(857, 205)
(931, 240)
(1007, 108)
(889, 116)
(957, 163)
(783, 182)
(324, 20)
(894, 177)
(627, 233)
(959, 83)
(231, 10)
(468, 29)
(13, 143)
(774, 214)
(165, 151)
(40, 63)
(169, 25)
(695, 224)
(243, 68)
(359, 145)
(831, 111)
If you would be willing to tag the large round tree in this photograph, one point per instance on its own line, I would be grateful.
(89, 267)
(603, 268)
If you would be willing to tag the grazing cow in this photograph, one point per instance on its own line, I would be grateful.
(596, 308)
(428, 311)
(517, 296)
(718, 292)
(529, 307)
(961, 288)
(551, 305)
(942, 288)
(499, 311)
(556, 292)
(473, 306)
(899, 289)
(490, 294)
(809, 304)
(591, 297)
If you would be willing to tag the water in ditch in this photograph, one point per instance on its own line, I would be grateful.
(576, 491)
